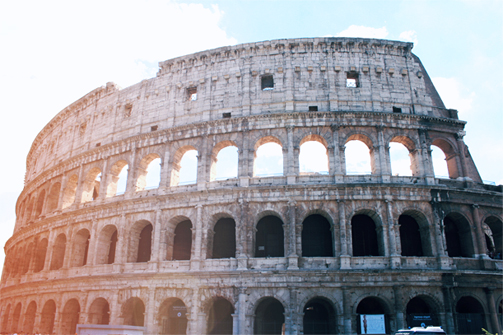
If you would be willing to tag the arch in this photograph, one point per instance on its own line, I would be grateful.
(220, 317)
(91, 185)
(410, 236)
(70, 317)
(268, 157)
(58, 252)
(269, 317)
(313, 155)
(269, 237)
(420, 310)
(70, 191)
(172, 317)
(470, 317)
(317, 239)
(358, 155)
(27, 258)
(319, 317)
(149, 172)
(117, 179)
(14, 327)
(375, 311)
(40, 254)
(29, 209)
(47, 317)
(53, 198)
(40, 204)
(141, 242)
(224, 239)
(182, 242)
(5, 319)
(458, 236)
(29, 318)
(494, 234)
(184, 172)
(133, 312)
(107, 245)
(450, 156)
(99, 312)
(80, 248)
(365, 237)
(400, 160)
(224, 161)
(424, 230)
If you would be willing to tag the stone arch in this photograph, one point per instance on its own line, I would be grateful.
(450, 153)
(107, 245)
(16, 316)
(317, 236)
(114, 178)
(422, 309)
(215, 167)
(172, 317)
(316, 143)
(80, 248)
(458, 235)
(182, 241)
(5, 319)
(176, 165)
(29, 318)
(133, 312)
(269, 236)
(269, 316)
(99, 312)
(58, 252)
(366, 234)
(39, 206)
(319, 316)
(70, 317)
(53, 198)
(413, 155)
(142, 181)
(29, 209)
(40, 255)
(70, 191)
(222, 237)
(27, 258)
(47, 317)
(91, 185)
(140, 249)
(470, 315)
(259, 160)
(494, 226)
(372, 305)
(356, 164)
(219, 318)
(424, 230)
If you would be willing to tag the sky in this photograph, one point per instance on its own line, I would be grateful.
(55, 52)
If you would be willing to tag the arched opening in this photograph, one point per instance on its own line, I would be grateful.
(224, 239)
(133, 312)
(14, 327)
(269, 317)
(182, 242)
(145, 244)
(27, 258)
(357, 156)
(319, 317)
(149, 173)
(107, 244)
(53, 198)
(440, 169)
(40, 204)
(420, 313)
(400, 160)
(469, 316)
(5, 319)
(372, 317)
(410, 236)
(47, 318)
(458, 236)
(91, 186)
(58, 252)
(268, 158)
(224, 164)
(220, 317)
(117, 179)
(493, 229)
(313, 157)
(29, 318)
(70, 192)
(269, 240)
(444, 159)
(28, 212)
(99, 312)
(70, 317)
(188, 168)
(173, 317)
(364, 236)
(316, 237)
(80, 248)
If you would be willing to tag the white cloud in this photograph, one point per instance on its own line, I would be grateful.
(409, 36)
(454, 94)
(365, 32)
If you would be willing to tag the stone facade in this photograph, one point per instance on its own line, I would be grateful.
(309, 252)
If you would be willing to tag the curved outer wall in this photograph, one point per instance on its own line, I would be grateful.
(57, 273)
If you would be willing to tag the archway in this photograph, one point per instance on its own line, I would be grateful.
(469, 316)
(145, 244)
(269, 317)
(494, 236)
(14, 327)
(182, 242)
(224, 162)
(47, 319)
(372, 317)
(319, 317)
(107, 245)
(29, 317)
(99, 312)
(224, 239)
(70, 317)
(410, 236)
(58, 252)
(269, 241)
(313, 156)
(268, 158)
(133, 312)
(173, 317)
(364, 236)
(420, 313)
(458, 236)
(80, 248)
(40, 255)
(220, 317)
(317, 237)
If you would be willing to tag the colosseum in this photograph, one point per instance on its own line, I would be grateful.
(133, 221)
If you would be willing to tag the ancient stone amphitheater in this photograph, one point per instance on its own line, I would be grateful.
(294, 250)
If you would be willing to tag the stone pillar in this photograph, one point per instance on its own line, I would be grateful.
(293, 252)
(346, 310)
(291, 322)
(245, 161)
(441, 246)
(335, 160)
(78, 191)
(344, 237)
(196, 256)
(493, 314)
(289, 159)
(393, 232)
(92, 251)
(156, 236)
(399, 308)
(64, 180)
(481, 251)
(461, 149)
(203, 164)
(68, 248)
(122, 243)
(164, 182)
(115, 309)
(49, 252)
(150, 317)
(242, 236)
(131, 173)
(242, 311)
(425, 155)
(105, 177)
(380, 164)
(449, 315)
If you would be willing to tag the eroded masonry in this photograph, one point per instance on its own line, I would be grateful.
(114, 227)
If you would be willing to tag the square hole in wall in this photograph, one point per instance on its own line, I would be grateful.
(192, 93)
(154, 128)
(352, 79)
(397, 109)
(313, 108)
(226, 115)
(267, 82)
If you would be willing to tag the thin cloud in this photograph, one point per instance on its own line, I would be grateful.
(409, 36)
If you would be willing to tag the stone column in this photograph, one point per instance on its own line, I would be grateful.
(441, 246)
(92, 251)
(449, 315)
(335, 161)
(495, 325)
(461, 149)
(399, 308)
(242, 311)
(157, 236)
(392, 235)
(203, 164)
(380, 165)
(165, 177)
(68, 248)
(293, 252)
(131, 173)
(150, 317)
(49, 252)
(289, 169)
(105, 176)
(346, 310)
(241, 236)
(344, 237)
(195, 258)
(78, 191)
(291, 323)
(425, 155)
(115, 309)
(122, 243)
(244, 158)
(480, 252)
(64, 180)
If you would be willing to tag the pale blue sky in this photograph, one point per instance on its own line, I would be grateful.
(54, 52)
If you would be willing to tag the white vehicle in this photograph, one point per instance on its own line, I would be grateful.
(430, 330)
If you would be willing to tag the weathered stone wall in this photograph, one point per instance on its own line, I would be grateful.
(60, 268)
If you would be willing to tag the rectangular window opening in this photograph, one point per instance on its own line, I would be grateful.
(153, 128)
(192, 93)
(226, 115)
(397, 109)
(352, 79)
(267, 83)
(98, 144)
(313, 108)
